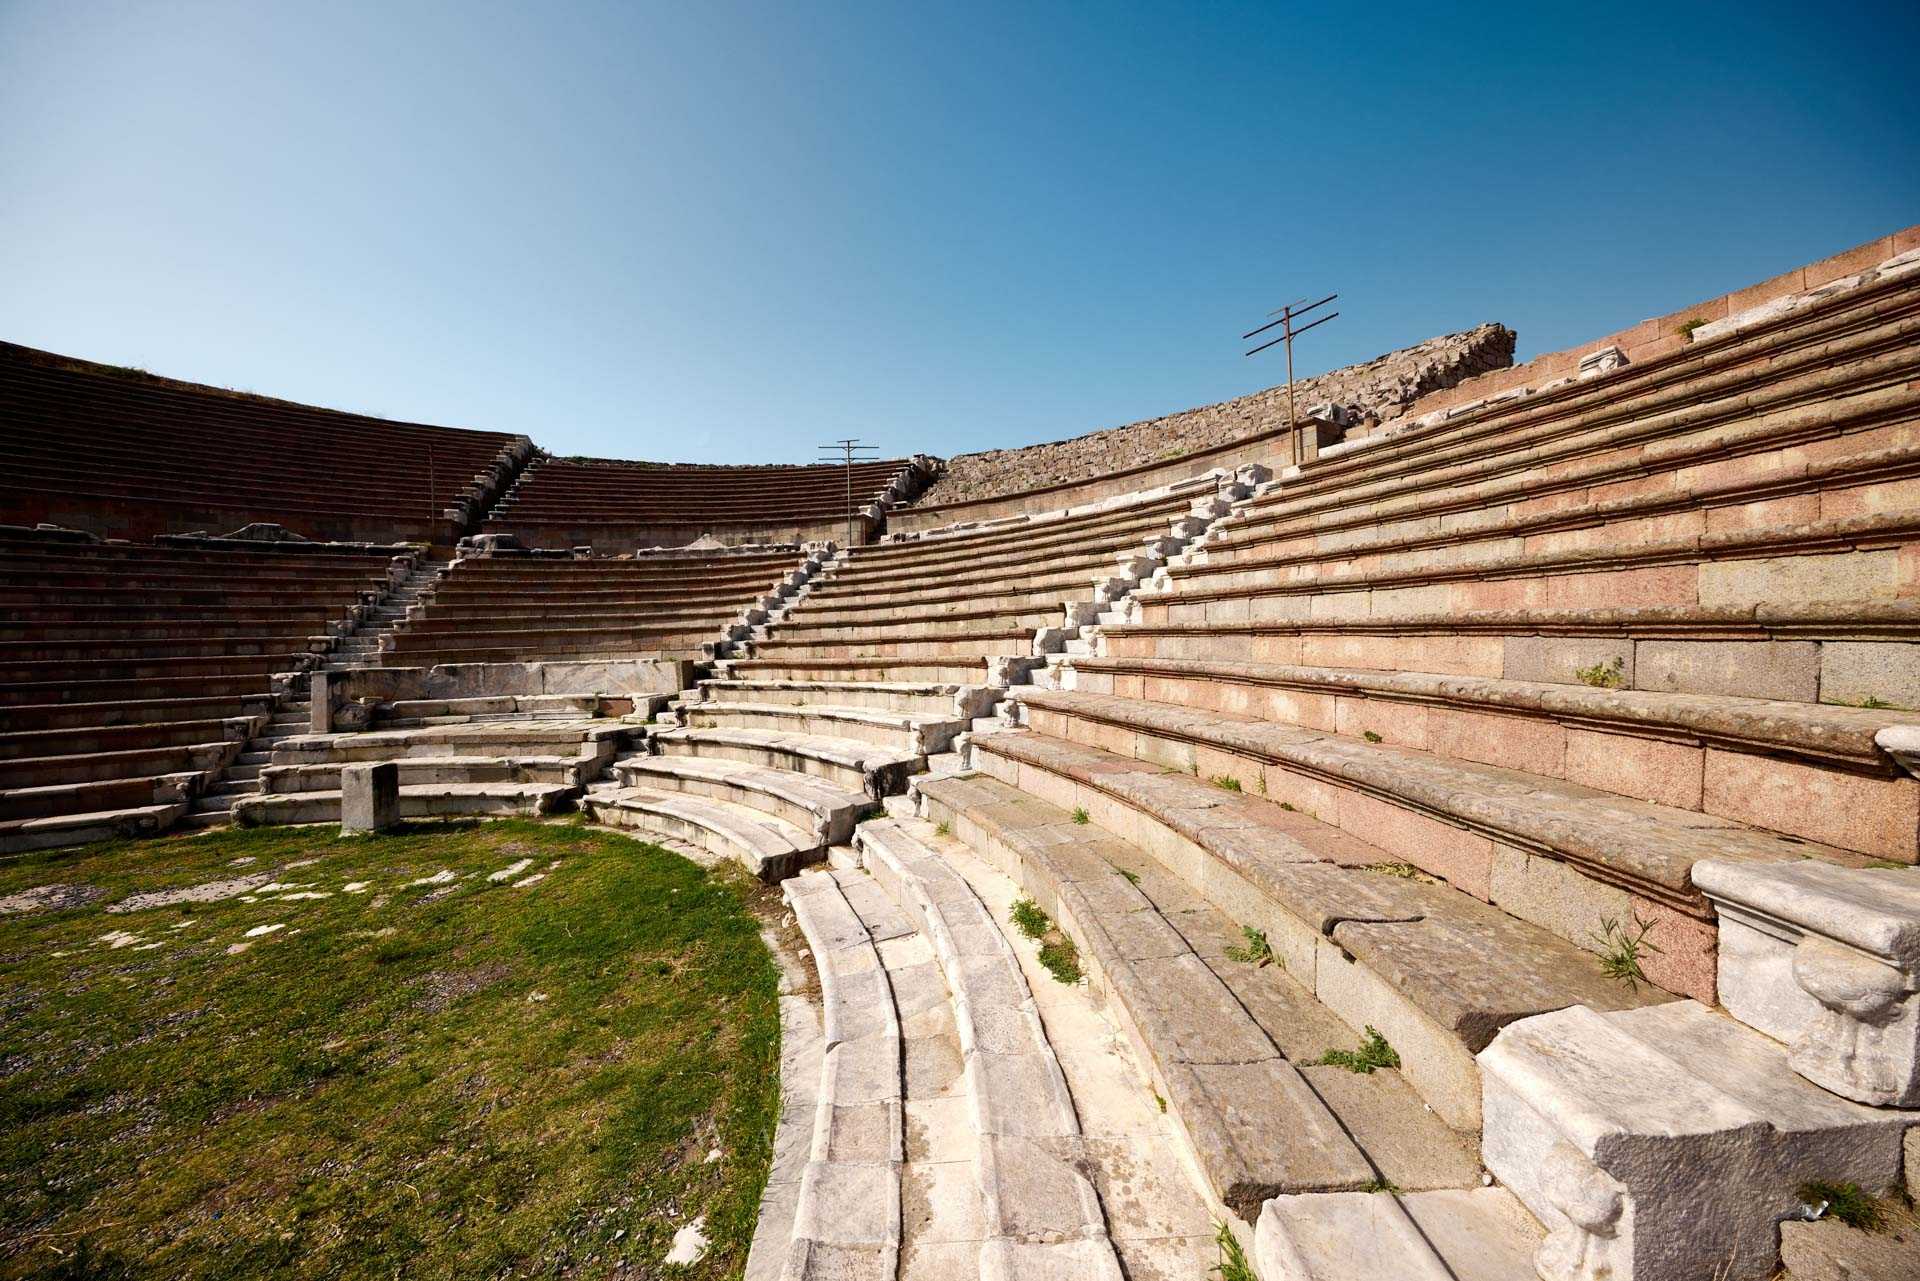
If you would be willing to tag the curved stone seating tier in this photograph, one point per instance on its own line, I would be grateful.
(497, 608)
(1838, 652)
(1808, 770)
(615, 505)
(132, 674)
(229, 460)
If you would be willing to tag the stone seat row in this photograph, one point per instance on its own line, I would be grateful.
(1794, 487)
(495, 608)
(1855, 342)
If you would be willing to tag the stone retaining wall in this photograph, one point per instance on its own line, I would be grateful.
(1377, 390)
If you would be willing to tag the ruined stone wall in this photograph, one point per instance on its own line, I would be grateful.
(1375, 391)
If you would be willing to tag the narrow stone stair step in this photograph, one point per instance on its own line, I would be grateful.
(847, 1220)
(1041, 1213)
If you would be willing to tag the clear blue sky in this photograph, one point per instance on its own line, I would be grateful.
(723, 232)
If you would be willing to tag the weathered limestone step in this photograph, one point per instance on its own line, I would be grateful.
(1502, 835)
(1041, 1214)
(1161, 1216)
(1667, 1144)
(325, 776)
(19, 835)
(847, 1221)
(1258, 1126)
(767, 846)
(855, 766)
(1478, 1234)
(958, 640)
(913, 732)
(924, 697)
(418, 800)
(827, 810)
(952, 671)
(1359, 698)
(1436, 971)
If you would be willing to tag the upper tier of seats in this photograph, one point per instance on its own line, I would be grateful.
(510, 608)
(126, 455)
(616, 506)
(132, 673)
(1580, 640)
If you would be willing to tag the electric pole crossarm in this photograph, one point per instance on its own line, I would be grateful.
(849, 450)
(1288, 314)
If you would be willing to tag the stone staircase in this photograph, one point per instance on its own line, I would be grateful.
(356, 647)
(876, 666)
(362, 646)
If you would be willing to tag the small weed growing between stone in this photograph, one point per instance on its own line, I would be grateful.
(1133, 878)
(1256, 951)
(1687, 327)
(1871, 702)
(1162, 1103)
(1383, 1185)
(1062, 959)
(1080, 815)
(1369, 735)
(1405, 871)
(1374, 1052)
(1886, 864)
(1233, 1265)
(1225, 782)
(943, 827)
(1288, 807)
(1847, 1202)
(1611, 674)
(1621, 947)
(1029, 919)
(1261, 785)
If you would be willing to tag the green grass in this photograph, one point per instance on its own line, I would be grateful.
(1061, 959)
(1849, 1203)
(1255, 951)
(1233, 1265)
(1226, 782)
(466, 1078)
(1370, 736)
(1133, 878)
(1080, 815)
(1374, 1053)
(1029, 919)
(1057, 952)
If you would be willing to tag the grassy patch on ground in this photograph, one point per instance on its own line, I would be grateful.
(433, 1073)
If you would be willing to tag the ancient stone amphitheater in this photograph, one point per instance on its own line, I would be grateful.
(1548, 731)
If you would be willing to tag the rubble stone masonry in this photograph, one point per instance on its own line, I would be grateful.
(1375, 391)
